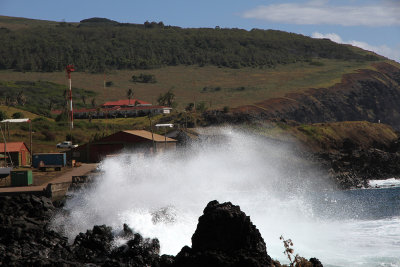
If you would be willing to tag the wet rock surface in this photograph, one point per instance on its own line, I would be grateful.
(352, 166)
(26, 240)
(225, 236)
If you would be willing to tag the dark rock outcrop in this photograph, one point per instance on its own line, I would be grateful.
(26, 240)
(226, 228)
(353, 166)
(24, 237)
(225, 236)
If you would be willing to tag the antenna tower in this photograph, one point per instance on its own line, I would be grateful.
(69, 69)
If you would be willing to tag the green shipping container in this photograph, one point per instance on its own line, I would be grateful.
(21, 178)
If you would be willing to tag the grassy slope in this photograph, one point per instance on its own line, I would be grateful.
(188, 82)
(15, 23)
(11, 110)
(330, 136)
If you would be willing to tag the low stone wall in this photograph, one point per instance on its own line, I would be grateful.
(57, 191)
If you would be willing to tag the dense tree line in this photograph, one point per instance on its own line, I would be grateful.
(100, 44)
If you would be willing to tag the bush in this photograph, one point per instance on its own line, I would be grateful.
(201, 107)
(144, 78)
(48, 136)
(62, 117)
(211, 89)
(40, 119)
(17, 115)
(76, 138)
(3, 115)
(110, 83)
(24, 127)
(316, 63)
(189, 107)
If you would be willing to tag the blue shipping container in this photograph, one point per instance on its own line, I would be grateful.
(49, 159)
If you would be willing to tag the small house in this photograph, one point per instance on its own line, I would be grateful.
(128, 141)
(16, 152)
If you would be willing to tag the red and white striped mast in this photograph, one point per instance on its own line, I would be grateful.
(69, 69)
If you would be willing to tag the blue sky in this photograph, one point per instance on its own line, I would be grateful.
(370, 24)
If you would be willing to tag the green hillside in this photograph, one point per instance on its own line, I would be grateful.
(99, 44)
(215, 68)
(218, 87)
(40, 97)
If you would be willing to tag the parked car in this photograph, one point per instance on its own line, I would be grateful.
(66, 144)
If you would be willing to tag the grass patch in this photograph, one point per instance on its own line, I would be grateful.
(188, 82)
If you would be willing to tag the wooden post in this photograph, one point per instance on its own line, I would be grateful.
(30, 139)
(165, 135)
(152, 135)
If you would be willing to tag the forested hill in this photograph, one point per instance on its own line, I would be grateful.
(99, 44)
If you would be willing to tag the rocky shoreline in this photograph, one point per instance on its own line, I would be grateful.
(347, 162)
(353, 166)
(225, 236)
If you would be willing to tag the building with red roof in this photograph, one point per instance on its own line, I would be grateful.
(120, 108)
(17, 152)
(126, 103)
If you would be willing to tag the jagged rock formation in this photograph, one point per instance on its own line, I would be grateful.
(354, 166)
(25, 240)
(225, 236)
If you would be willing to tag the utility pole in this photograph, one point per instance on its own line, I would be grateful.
(195, 115)
(165, 125)
(69, 69)
(152, 134)
(104, 84)
(30, 140)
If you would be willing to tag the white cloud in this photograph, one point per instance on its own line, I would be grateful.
(386, 13)
(384, 50)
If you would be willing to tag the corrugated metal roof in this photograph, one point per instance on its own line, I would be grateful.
(147, 135)
(12, 147)
(16, 120)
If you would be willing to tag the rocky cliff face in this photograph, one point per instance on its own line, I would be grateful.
(352, 166)
(370, 95)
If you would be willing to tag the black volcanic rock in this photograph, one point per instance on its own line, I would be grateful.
(225, 236)
(353, 167)
(226, 228)
(26, 240)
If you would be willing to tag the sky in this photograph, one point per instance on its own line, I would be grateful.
(370, 24)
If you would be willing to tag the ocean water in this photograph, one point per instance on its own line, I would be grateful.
(163, 196)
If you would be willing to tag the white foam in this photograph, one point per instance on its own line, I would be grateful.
(391, 182)
(247, 171)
